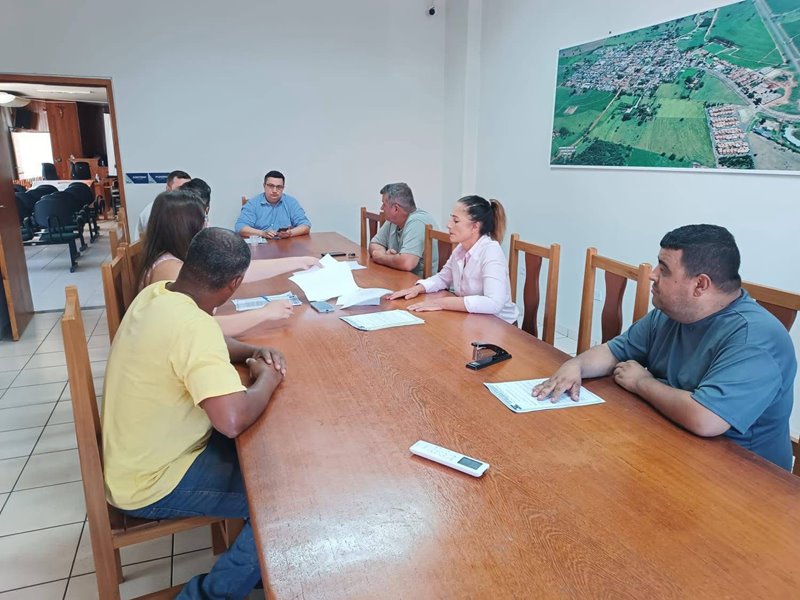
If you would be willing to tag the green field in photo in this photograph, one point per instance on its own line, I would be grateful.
(741, 24)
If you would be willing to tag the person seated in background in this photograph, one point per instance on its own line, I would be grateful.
(400, 241)
(477, 270)
(176, 218)
(273, 214)
(202, 190)
(707, 357)
(173, 404)
(174, 181)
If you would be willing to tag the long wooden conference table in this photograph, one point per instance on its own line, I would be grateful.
(603, 501)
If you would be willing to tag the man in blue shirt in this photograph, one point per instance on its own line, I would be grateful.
(707, 357)
(273, 214)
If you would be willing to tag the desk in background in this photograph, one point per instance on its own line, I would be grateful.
(605, 501)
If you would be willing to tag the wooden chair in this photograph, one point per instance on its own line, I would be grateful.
(372, 221)
(617, 275)
(796, 447)
(133, 256)
(530, 291)
(116, 236)
(122, 221)
(113, 275)
(110, 530)
(444, 246)
(244, 200)
(783, 305)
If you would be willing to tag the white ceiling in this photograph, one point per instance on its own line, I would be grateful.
(37, 91)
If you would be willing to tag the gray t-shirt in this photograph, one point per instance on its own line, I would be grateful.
(739, 363)
(410, 239)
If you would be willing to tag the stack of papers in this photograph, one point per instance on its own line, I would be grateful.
(382, 320)
(516, 395)
(332, 278)
(260, 301)
(362, 297)
(256, 239)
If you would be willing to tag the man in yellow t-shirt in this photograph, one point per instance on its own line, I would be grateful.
(173, 403)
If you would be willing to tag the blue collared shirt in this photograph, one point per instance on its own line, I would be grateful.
(260, 214)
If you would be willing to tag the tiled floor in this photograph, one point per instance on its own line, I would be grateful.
(48, 272)
(44, 539)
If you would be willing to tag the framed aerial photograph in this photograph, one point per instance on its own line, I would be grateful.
(716, 90)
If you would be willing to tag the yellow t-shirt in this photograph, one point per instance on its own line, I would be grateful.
(168, 356)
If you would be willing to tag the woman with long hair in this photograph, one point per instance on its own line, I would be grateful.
(477, 270)
(175, 219)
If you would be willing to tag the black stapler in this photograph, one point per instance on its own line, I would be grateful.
(484, 354)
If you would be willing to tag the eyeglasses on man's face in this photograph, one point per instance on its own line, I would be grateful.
(273, 188)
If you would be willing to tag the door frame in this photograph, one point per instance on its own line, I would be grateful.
(66, 80)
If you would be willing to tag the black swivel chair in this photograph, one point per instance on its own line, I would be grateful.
(42, 190)
(80, 170)
(84, 196)
(25, 225)
(55, 212)
(49, 171)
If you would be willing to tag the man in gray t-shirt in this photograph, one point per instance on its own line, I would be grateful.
(707, 357)
(400, 241)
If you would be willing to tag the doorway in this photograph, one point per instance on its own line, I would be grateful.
(71, 121)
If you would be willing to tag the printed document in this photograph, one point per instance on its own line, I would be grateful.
(516, 395)
(382, 320)
(260, 301)
(362, 297)
(333, 279)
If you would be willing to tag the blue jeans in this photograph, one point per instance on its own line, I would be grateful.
(214, 486)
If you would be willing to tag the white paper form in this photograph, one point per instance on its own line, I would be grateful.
(243, 304)
(382, 320)
(362, 297)
(354, 265)
(516, 395)
(333, 279)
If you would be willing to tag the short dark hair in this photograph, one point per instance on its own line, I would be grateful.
(400, 194)
(177, 175)
(276, 175)
(708, 249)
(216, 256)
(199, 188)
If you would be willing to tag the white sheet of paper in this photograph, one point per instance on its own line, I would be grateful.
(333, 279)
(354, 265)
(516, 395)
(243, 304)
(382, 320)
(362, 297)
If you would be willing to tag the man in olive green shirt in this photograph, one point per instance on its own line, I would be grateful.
(400, 241)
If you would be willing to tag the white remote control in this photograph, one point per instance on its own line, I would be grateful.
(448, 458)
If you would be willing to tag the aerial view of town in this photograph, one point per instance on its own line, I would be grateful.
(715, 90)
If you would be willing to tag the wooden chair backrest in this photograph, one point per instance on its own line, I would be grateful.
(133, 256)
(783, 305)
(87, 425)
(113, 275)
(122, 221)
(444, 246)
(534, 254)
(116, 236)
(244, 200)
(617, 275)
(371, 221)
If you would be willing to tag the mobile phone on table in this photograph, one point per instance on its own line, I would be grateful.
(322, 307)
(282, 229)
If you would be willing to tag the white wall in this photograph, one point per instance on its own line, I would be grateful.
(623, 213)
(342, 96)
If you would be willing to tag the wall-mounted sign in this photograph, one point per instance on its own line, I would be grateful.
(137, 178)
